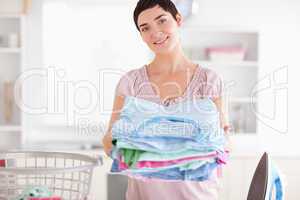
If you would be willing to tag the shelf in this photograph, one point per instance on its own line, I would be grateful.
(222, 29)
(243, 100)
(10, 16)
(244, 133)
(8, 128)
(227, 64)
(9, 50)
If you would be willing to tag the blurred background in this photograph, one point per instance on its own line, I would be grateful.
(60, 61)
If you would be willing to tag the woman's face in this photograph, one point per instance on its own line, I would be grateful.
(159, 30)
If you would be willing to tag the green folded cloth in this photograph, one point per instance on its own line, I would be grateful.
(131, 156)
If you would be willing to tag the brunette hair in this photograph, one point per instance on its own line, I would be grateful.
(166, 5)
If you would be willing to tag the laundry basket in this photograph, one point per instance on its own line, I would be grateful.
(66, 175)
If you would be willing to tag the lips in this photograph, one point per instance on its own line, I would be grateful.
(160, 42)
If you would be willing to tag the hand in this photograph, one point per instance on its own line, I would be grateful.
(107, 143)
(226, 129)
(228, 143)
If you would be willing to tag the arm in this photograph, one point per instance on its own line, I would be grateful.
(224, 122)
(223, 115)
(107, 139)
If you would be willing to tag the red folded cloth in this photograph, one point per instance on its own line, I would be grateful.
(226, 49)
(2, 163)
(45, 198)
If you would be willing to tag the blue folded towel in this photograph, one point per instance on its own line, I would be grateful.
(193, 125)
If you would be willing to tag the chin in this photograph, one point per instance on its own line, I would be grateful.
(163, 50)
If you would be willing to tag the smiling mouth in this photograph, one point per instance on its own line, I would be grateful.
(161, 41)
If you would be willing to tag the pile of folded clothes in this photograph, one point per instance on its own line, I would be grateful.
(183, 141)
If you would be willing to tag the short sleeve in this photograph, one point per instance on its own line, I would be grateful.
(125, 85)
(213, 84)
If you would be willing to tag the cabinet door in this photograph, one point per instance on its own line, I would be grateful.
(224, 184)
(289, 170)
(99, 182)
(236, 179)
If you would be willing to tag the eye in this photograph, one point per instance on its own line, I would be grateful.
(161, 21)
(144, 29)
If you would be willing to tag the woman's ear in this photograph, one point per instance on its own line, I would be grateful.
(179, 19)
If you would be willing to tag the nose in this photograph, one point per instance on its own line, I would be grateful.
(156, 34)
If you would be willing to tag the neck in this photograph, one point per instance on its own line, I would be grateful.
(170, 62)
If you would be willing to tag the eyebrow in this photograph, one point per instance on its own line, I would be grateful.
(156, 18)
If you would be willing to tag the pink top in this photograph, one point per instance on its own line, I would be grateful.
(204, 83)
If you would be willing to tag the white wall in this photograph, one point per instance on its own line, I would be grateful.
(64, 35)
(278, 23)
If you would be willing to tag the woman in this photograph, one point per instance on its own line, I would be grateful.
(169, 78)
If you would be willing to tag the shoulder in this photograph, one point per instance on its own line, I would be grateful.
(210, 83)
(131, 77)
(128, 81)
(210, 75)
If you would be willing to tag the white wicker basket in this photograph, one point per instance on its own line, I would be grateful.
(66, 175)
